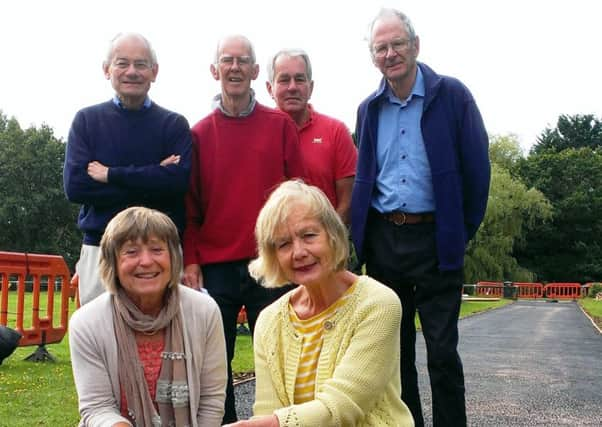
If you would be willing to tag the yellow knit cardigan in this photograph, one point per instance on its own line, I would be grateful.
(357, 380)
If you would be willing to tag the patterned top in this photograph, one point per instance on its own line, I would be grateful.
(150, 357)
(311, 332)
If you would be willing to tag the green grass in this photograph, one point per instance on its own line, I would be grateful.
(593, 308)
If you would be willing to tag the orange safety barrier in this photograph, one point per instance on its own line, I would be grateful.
(23, 273)
(242, 316)
(563, 290)
(529, 290)
(489, 289)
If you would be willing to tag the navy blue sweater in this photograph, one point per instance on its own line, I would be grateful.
(131, 144)
(457, 149)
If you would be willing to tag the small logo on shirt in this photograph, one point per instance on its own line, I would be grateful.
(317, 140)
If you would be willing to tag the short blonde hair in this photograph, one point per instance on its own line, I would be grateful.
(130, 225)
(288, 196)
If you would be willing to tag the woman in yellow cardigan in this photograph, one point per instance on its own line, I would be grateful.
(327, 352)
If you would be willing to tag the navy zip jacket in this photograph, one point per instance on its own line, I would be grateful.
(131, 144)
(456, 145)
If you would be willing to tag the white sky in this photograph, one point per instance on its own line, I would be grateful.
(525, 61)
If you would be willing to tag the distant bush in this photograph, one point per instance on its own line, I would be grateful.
(595, 289)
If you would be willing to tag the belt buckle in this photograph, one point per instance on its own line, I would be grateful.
(403, 219)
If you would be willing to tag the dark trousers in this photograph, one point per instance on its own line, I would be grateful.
(404, 257)
(231, 286)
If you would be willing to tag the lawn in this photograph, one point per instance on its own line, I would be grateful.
(43, 394)
(593, 308)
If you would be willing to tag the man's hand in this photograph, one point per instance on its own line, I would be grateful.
(98, 172)
(174, 159)
(193, 277)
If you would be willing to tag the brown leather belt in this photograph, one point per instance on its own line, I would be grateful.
(402, 218)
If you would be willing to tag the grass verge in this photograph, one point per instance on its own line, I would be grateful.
(593, 308)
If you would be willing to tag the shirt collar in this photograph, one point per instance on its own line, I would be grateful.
(310, 118)
(417, 89)
(146, 104)
(217, 103)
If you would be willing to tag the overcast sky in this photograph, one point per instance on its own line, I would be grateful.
(525, 61)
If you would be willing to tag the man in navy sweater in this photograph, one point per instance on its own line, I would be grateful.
(127, 151)
(419, 196)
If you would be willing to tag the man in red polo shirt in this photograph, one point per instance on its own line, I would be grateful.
(326, 143)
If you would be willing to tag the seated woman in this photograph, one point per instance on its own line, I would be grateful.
(149, 352)
(327, 352)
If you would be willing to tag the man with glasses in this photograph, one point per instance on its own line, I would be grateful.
(420, 195)
(124, 152)
(241, 152)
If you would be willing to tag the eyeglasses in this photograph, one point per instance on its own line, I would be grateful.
(398, 46)
(123, 64)
(229, 60)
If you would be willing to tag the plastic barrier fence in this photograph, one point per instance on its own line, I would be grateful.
(529, 290)
(563, 290)
(489, 289)
(27, 278)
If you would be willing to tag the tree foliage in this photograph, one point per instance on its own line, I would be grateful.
(34, 213)
(576, 131)
(505, 151)
(568, 248)
(512, 209)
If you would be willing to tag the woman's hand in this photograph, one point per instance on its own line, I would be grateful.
(265, 421)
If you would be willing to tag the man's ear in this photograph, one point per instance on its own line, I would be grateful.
(105, 70)
(255, 71)
(214, 71)
(268, 86)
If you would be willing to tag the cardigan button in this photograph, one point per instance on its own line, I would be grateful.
(328, 325)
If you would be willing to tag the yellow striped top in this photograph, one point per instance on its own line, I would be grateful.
(311, 332)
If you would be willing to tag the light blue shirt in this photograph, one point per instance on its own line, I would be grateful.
(403, 178)
(145, 105)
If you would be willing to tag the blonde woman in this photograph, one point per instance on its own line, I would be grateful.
(327, 352)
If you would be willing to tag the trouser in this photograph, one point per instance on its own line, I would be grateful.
(404, 257)
(89, 285)
(230, 284)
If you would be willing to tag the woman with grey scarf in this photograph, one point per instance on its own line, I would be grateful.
(149, 352)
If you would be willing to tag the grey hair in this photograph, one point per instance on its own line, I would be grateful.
(119, 36)
(389, 13)
(235, 37)
(290, 53)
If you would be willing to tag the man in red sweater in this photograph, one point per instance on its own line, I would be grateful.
(326, 143)
(241, 152)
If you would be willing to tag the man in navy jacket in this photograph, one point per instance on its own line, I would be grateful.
(127, 151)
(419, 196)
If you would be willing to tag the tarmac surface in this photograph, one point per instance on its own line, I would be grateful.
(531, 363)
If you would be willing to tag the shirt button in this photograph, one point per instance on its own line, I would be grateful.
(403, 131)
(403, 157)
(328, 325)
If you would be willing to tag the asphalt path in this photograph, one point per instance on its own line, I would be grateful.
(531, 363)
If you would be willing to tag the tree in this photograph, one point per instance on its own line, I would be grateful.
(505, 151)
(568, 248)
(570, 132)
(34, 213)
(511, 210)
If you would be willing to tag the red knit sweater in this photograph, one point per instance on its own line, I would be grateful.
(237, 162)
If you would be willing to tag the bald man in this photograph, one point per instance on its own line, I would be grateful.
(124, 152)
